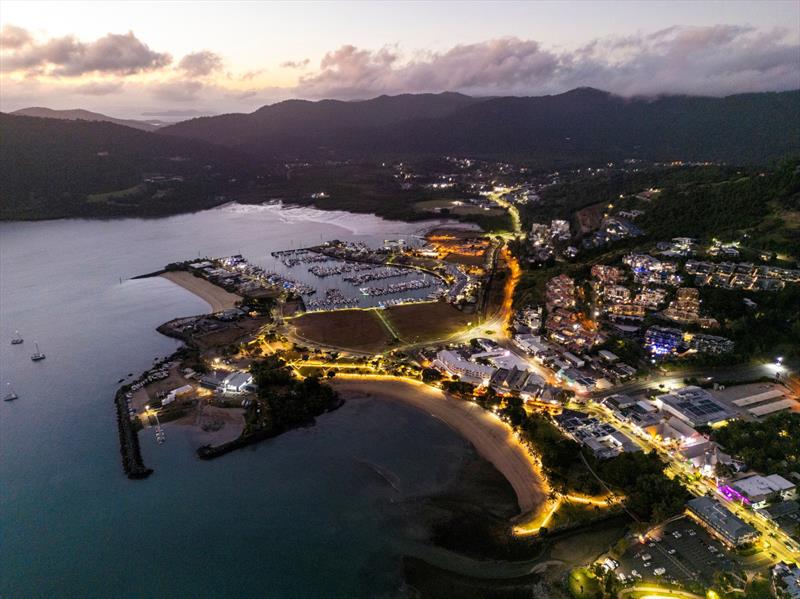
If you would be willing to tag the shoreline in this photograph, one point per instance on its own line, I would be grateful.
(492, 438)
(216, 297)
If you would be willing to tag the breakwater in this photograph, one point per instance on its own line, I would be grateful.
(209, 452)
(132, 461)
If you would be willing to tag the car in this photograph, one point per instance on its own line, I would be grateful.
(659, 571)
(712, 549)
(676, 534)
(691, 533)
(671, 551)
(646, 557)
(647, 564)
(651, 544)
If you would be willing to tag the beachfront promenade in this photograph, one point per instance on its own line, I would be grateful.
(492, 438)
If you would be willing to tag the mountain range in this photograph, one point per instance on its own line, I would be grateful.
(52, 161)
(581, 125)
(79, 114)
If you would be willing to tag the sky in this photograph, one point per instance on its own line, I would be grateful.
(177, 59)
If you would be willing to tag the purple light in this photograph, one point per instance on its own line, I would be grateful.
(732, 494)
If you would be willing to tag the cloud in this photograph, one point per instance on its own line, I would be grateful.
(120, 54)
(716, 60)
(179, 90)
(200, 64)
(99, 88)
(296, 64)
(14, 37)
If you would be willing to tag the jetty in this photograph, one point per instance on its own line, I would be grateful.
(132, 461)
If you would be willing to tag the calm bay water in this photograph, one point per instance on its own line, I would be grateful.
(304, 515)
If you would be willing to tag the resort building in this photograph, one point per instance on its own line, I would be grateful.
(661, 341)
(720, 522)
(604, 440)
(457, 364)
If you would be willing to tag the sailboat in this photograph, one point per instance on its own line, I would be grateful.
(10, 396)
(37, 355)
(17, 339)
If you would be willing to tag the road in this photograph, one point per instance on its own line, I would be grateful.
(779, 545)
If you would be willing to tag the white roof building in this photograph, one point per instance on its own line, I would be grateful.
(236, 382)
(759, 490)
(456, 364)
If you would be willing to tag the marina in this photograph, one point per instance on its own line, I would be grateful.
(324, 276)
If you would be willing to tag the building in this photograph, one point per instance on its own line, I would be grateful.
(786, 581)
(604, 440)
(608, 356)
(693, 405)
(710, 344)
(685, 307)
(661, 341)
(577, 380)
(720, 522)
(237, 382)
(638, 413)
(617, 294)
(532, 344)
(560, 292)
(457, 364)
(607, 274)
(514, 379)
(758, 491)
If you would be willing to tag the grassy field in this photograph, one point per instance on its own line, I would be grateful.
(114, 195)
(583, 584)
(356, 330)
(574, 513)
(463, 210)
(465, 259)
(420, 323)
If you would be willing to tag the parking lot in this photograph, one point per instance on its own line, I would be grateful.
(684, 552)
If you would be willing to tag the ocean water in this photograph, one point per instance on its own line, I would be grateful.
(303, 515)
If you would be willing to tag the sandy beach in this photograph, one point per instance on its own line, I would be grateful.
(214, 296)
(492, 438)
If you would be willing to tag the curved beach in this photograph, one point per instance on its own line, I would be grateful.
(491, 437)
(214, 296)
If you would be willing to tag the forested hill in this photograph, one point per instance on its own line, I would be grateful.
(581, 125)
(53, 168)
(85, 115)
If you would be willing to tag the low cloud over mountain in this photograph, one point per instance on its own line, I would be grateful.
(714, 61)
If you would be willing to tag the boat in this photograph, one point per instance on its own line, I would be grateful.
(37, 355)
(17, 339)
(10, 396)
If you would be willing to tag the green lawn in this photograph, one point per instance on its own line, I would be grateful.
(583, 584)
(113, 195)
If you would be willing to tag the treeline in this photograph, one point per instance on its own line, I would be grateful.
(739, 203)
(771, 446)
(640, 477)
(285, 401)
(770, 329)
